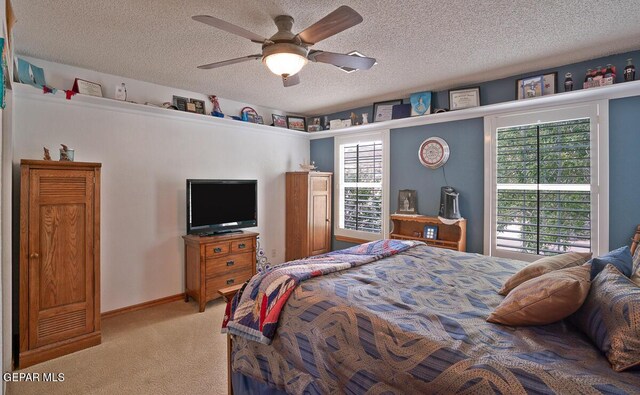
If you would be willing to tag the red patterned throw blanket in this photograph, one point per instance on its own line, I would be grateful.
(254, 311)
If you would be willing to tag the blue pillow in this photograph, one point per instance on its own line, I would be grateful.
(620, 258)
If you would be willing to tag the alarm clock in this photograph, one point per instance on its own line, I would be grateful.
(433, 152)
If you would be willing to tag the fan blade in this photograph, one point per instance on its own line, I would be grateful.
(229, 27)
(342, 60)
(339, 20)
(291, 80)
(228, 62)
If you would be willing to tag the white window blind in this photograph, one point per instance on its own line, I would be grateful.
(543, 187)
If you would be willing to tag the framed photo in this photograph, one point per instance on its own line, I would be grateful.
(430, 232)
(407, 202)
(536, 86)
(314, 128)
(297, 123)
(259, 119)
(87, 88)
(383, 110)
(191, 107)
(180, 102)
(420, 103)
(279, 120)
(199, 105)
(464, 98)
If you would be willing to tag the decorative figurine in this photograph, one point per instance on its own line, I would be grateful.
(568, 82)
(46, 154)
(354, 119)
(629, 71)
(217, 112)
(121, 92)
(365, 118)
(66, 154)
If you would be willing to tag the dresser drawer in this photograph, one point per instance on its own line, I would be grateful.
(213, 284)
(216, 249)
(242, 245)
(229, 263)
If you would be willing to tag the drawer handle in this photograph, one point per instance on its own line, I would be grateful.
(230, 263)
(231, 281)
(241, 245)
(217, 249)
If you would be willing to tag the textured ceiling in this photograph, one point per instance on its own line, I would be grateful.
(419, 44)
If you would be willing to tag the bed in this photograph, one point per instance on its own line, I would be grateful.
(415, 322)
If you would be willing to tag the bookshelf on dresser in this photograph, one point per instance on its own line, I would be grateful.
(216, 262)
(452, 237)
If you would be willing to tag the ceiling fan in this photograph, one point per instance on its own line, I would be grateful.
(285, 53)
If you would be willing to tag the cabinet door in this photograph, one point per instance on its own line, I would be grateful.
(61, 255)
(320, 214)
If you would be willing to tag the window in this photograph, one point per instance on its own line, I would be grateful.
(544, 190)
(361, 178)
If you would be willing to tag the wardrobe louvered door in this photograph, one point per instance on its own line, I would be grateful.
(60, 272)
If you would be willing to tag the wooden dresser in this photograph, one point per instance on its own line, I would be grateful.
(308, 214)
(59, 287)
(216, 262)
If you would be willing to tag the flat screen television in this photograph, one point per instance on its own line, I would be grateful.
(221, 206)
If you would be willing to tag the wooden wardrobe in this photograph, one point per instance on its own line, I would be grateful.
(308, 212)
(59, 287)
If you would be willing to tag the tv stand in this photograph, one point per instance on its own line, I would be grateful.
(216, 262)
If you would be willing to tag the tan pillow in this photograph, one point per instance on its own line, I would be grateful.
(545, 299)
(544, 265)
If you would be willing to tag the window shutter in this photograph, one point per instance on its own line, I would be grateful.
(544, 187)
(362, 186)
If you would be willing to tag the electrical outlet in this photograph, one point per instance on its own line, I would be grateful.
(273, 253)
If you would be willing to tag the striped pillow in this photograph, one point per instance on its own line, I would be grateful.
(610, 317)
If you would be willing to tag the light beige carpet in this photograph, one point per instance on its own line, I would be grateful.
(167, 349)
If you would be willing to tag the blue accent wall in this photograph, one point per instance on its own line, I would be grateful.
(464, 171)
(624, 169)
(504, 90)
(465, 168)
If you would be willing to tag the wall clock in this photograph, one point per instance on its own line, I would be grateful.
(433, 152)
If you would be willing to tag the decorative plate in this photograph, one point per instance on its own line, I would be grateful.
(433, 152)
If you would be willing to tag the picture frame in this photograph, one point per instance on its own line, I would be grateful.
(199, 105)
(407, 203)
(314, 128)
(430, 232)
(279, 120)
(191, 107)
(420, 103)
(297, 123)
(180, 103)
(537, 85)
(383, 110)
(259, 120)
(85, 87)
(460, 99)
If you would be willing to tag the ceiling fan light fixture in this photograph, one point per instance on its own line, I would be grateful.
(284, 59)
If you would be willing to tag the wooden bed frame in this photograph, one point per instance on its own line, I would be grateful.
(228, 294)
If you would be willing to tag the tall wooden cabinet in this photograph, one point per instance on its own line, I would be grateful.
(308, 212)
(59, 287)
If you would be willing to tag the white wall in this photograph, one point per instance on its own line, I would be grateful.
(146, 159)
(61, 76)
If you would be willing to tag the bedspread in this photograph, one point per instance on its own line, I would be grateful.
(415, 323)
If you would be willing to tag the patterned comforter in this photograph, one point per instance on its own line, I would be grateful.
(415, 323)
